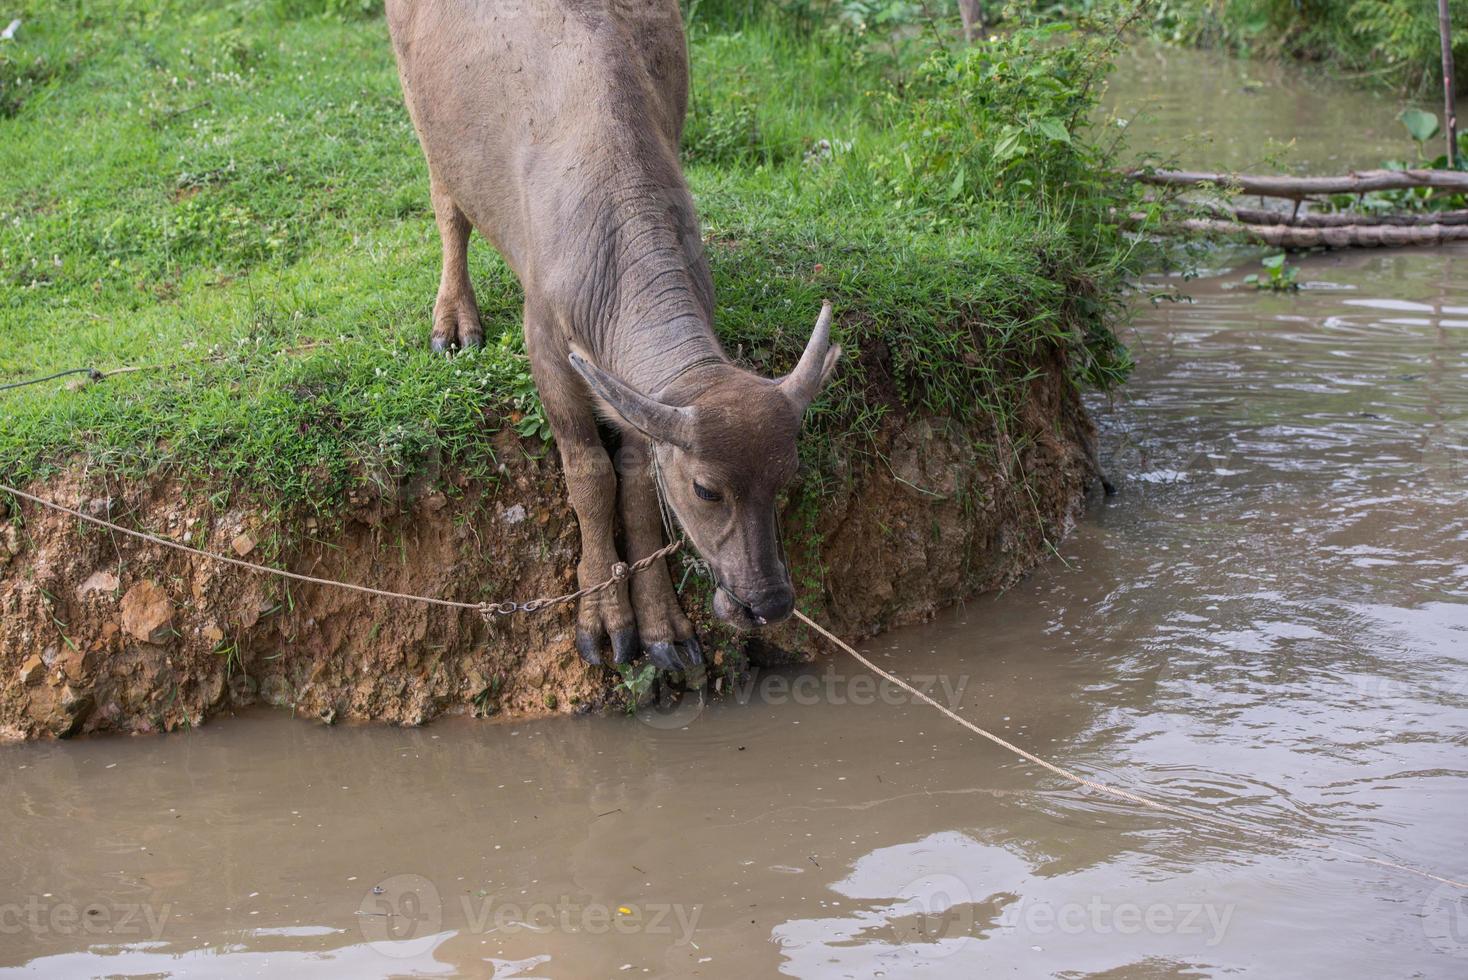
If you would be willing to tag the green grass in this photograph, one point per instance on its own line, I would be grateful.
(211, 189)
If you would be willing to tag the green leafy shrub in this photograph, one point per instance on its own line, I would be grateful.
(727, 132)
(997, 119)
(1404, 34)
(1007, 121)
(1396, 41)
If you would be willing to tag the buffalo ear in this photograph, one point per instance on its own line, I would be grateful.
(816, 365)
(660, 423)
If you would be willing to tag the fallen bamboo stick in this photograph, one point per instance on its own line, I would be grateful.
(1315, 219)
(1298, 188)
(1341, 236)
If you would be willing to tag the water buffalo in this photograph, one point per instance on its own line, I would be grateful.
(552, 127)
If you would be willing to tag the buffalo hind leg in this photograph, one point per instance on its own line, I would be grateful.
(455, 313)
(666, 633)
(591, 484)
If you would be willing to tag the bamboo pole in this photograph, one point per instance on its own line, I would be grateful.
(1298, 188)
(1343, 236)
(1450, 101)
(1311, 219)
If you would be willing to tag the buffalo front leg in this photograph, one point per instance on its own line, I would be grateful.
(455, 312)
(666, 633)
(591, 485)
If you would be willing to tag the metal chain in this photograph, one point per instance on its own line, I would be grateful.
(489, 610)
(620, 572)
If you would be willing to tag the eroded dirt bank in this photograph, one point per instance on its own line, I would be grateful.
(100, 632)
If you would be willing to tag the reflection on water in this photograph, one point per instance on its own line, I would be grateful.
(1269, 621)
(1206, 110)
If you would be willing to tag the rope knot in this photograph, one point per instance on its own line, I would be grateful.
(489, 610)
(619, 571)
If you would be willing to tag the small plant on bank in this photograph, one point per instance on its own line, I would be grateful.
(636, 681)
(486, 701)
(232, 660)
(528, 414)
(1279, 276)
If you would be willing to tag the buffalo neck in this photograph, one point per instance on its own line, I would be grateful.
(647, 307)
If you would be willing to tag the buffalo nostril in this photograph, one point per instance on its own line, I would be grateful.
(773, 608)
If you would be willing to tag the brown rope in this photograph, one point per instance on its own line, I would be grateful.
(620, 571)
(94, 375)
(1113, 791)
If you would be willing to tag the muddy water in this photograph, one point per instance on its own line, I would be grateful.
(1270, 622)
(1206, 110)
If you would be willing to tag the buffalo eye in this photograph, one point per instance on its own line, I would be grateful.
(704, 493)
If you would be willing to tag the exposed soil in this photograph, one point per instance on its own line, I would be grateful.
(100, 632)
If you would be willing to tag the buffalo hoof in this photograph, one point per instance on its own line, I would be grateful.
(664, 656)
(691, 652)
(677, 657)
(589, 646)
(449, 345)
(624, 645)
